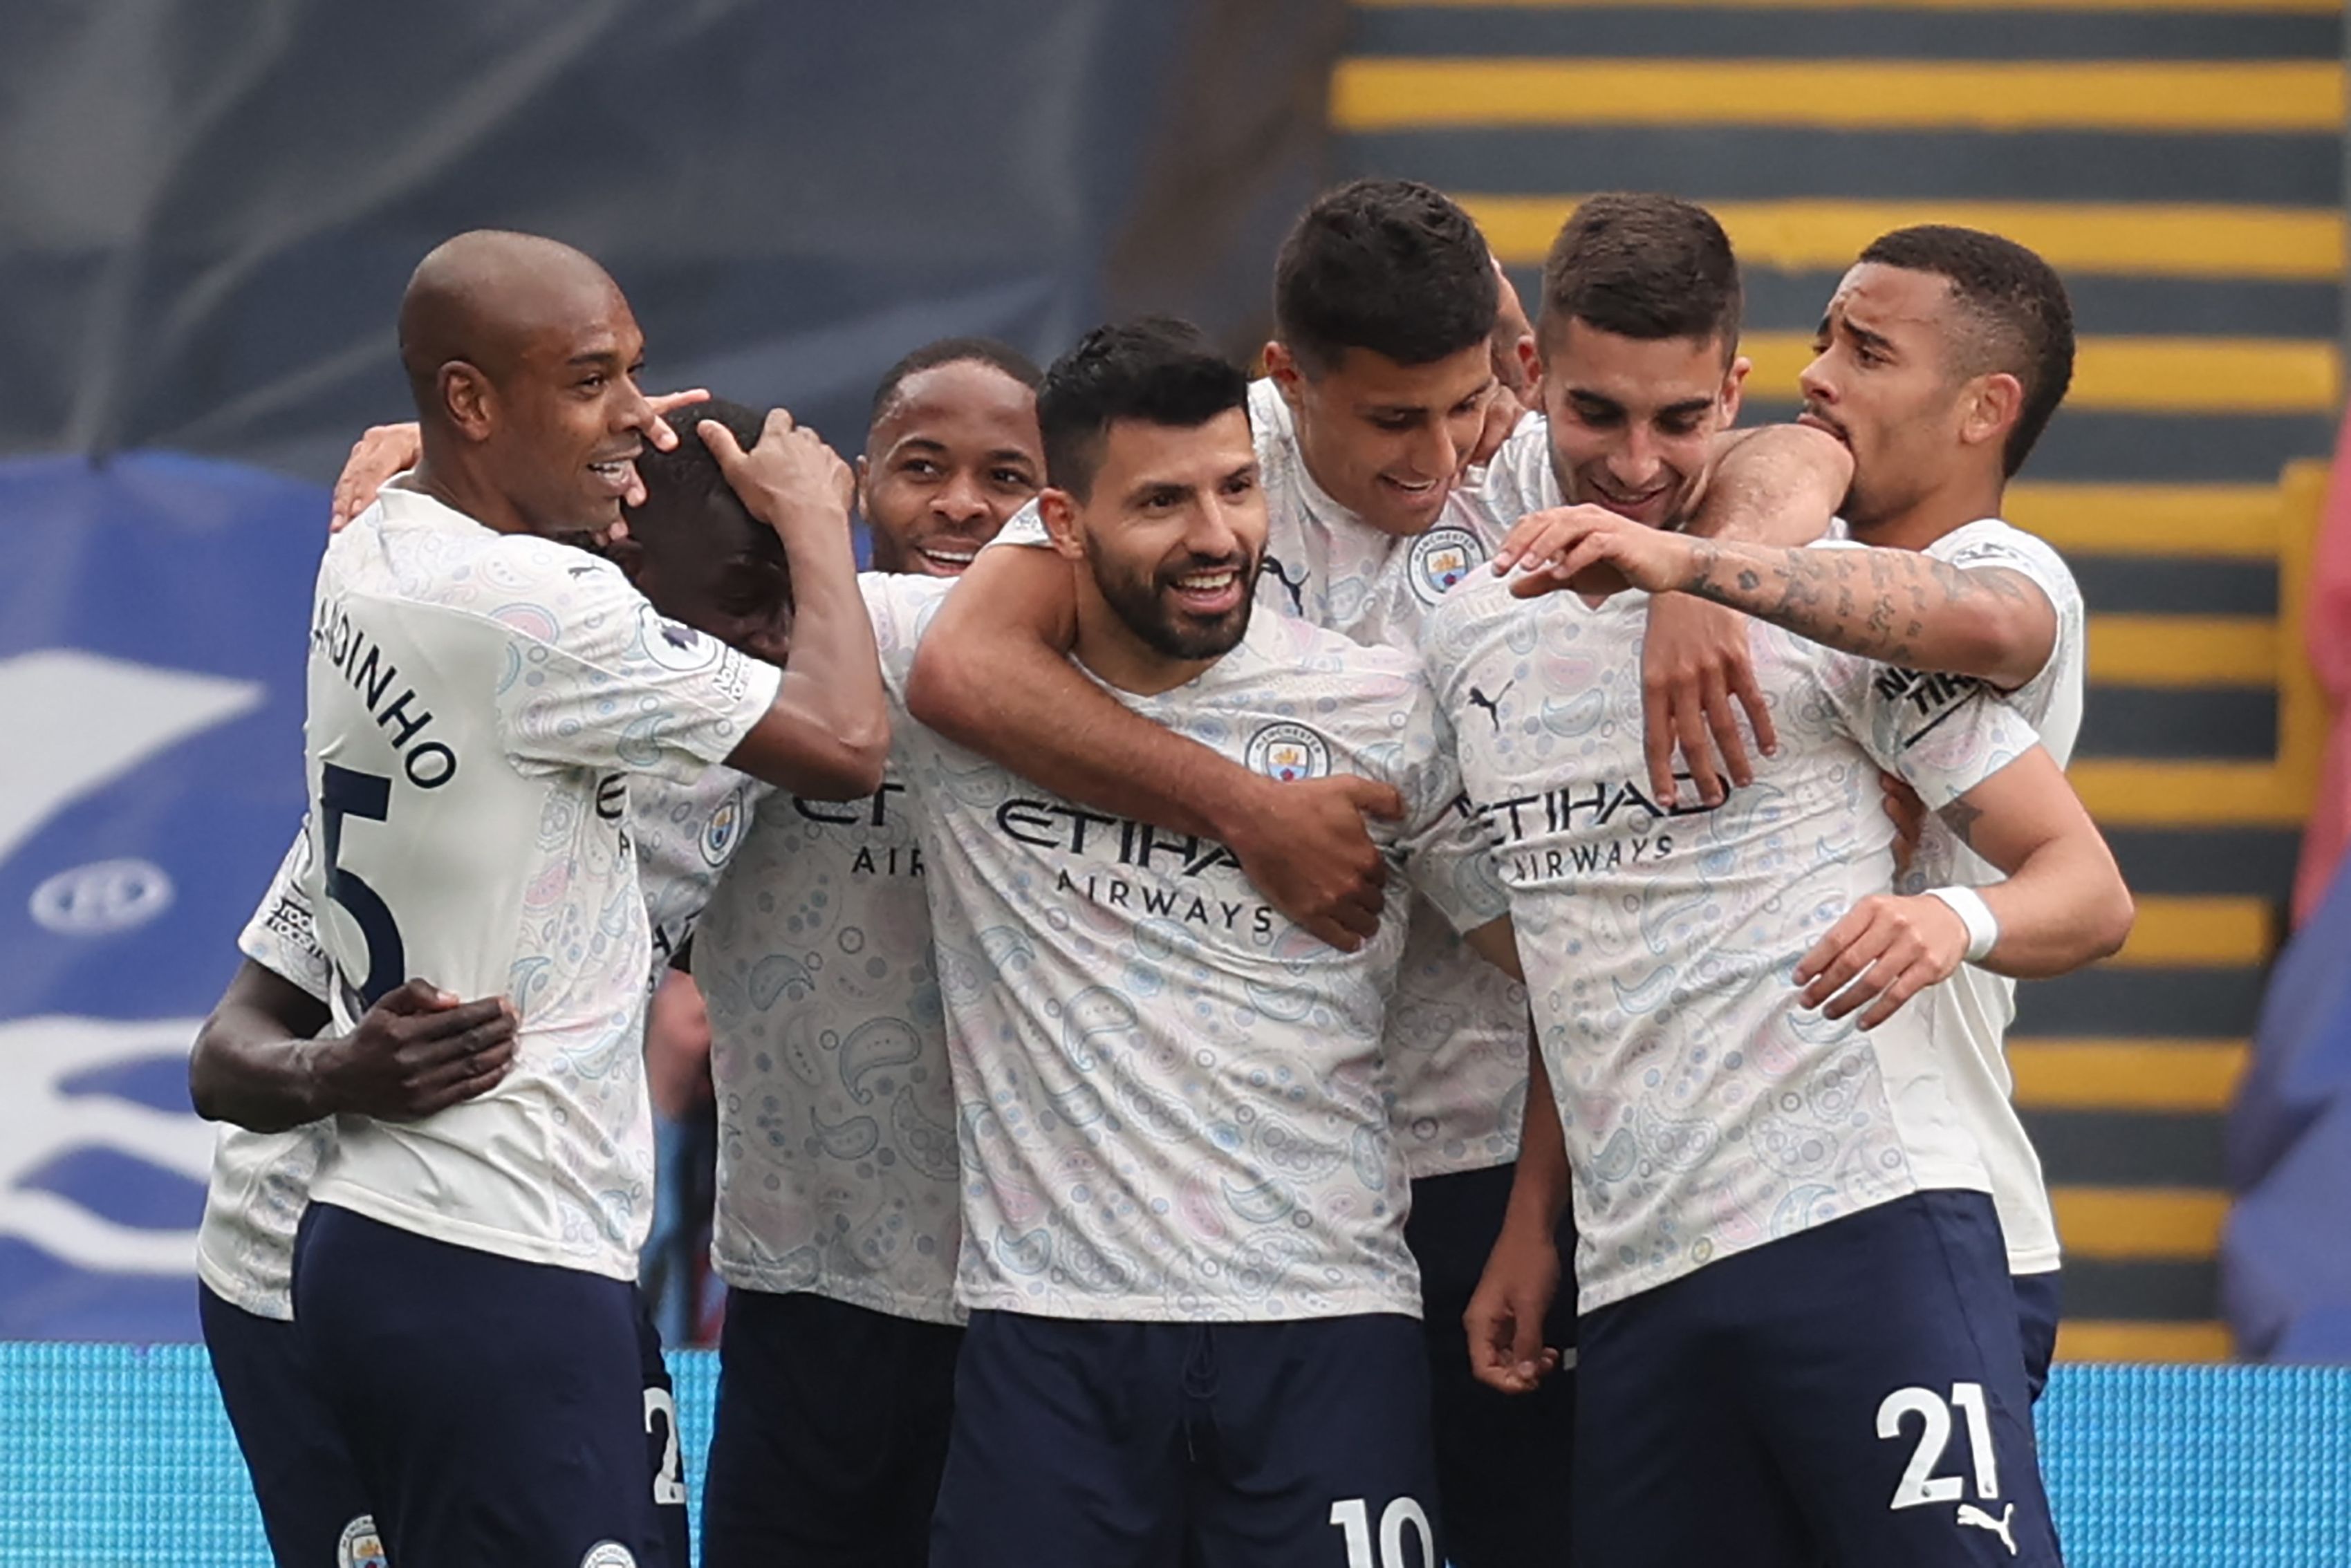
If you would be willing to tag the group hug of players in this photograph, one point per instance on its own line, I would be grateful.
(1405, 962)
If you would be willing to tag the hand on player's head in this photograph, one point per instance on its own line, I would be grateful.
(788, 479)
(415, 1052)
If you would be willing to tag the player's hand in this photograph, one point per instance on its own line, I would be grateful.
(1308, 847)
(1503, 412)
(1908, 815)
(389, 449)
(1505, 1319)
(790, 479)
(1696, 673)
(1883, 952)
(417, 1051)
(1593, 551)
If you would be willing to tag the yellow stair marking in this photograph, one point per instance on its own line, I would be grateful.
(2183, 650)
(2197, 932)
(2141, 375)
(2091, 1339)
(1389, 94)
(2234, 521)
(2326, 7)
(2167, 241)
(2167, 1223)
(2060, 1073)
(2121, 793)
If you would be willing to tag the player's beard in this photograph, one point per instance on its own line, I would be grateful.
(1147, 604)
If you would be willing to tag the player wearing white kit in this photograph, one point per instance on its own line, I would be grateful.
(1381, 373)
(1789, 1256)
(703, 561)
(1942, 357)
(479, 697)
(1182, 1246)
(836, 1229)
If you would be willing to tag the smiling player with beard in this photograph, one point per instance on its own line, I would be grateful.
(1183, 1249)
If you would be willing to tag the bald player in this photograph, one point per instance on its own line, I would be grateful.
(479, 699)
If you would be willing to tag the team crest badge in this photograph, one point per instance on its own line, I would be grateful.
(361, 1546)
(724, 826)
(1289, 752)
(1441, 558)
(608, 1554)
(672, 644)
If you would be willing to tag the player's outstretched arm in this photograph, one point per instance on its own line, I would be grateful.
(993, 675)
(827, 735)
(1505, 1319)
(417, 1051)
(2063, 905)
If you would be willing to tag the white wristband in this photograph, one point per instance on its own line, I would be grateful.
(1983, 925)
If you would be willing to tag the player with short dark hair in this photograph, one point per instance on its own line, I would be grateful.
(950, 453)
(1941, 356)
(1183, 1244)
(836, 1229)
(1792, 1258)
(479, 696)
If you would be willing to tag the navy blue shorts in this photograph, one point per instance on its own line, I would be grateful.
(1501, 1460)
(313, 1508)
(830, 1433)
(2038, 1301)
(1853, 1393)
(496, 1411)
(1276, 1444)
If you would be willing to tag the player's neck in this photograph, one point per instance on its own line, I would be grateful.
(1936, 513)
(451, 483)
(1108, 646)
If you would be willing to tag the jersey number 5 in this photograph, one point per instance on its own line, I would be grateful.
(342, 792)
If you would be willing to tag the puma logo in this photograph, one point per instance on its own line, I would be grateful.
(1494, 705)
(1969, 1514)
(1296, 589)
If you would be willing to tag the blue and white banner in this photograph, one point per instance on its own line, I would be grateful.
(152, 613)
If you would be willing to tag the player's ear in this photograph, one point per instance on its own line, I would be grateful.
(1281, 365)
(468, 399)
(1993, 403)
(1057, 510)
(1734, 388)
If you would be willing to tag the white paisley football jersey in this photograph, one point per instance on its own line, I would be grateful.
(1171, 1103)
(1456, 1033)
(478, 704)
(1971, 1012)
(836, 1120)
(260, 1182)
(1706, 1112)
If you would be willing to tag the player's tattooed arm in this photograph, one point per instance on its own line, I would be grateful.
(1506, 1313)
(827, 734)
(260, 1062)
(1894, 606)
(993, 675)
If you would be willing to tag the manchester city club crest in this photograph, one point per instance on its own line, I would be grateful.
(362, 1546)
(1441, 558)
(672, 644)
(1289, 752)
(724, 826)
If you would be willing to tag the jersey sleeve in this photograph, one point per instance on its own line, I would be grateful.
(1447, 857)
(1025, 526)
(283, 934)
(1942, 735)
(1992, 543)
(597, 677)
(901, 606)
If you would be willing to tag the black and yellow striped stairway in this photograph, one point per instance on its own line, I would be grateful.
(2181, 162)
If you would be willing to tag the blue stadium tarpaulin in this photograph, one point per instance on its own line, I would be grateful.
(151, 621)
